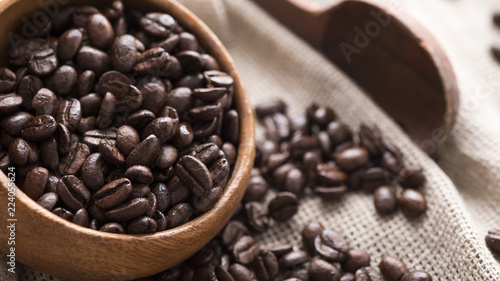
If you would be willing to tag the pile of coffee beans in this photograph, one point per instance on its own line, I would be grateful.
(316, 151)
(495, 48)
(117, 121)
(325, 256)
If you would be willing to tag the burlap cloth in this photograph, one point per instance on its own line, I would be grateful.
(463, 187)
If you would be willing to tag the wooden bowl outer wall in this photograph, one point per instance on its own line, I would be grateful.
(53, 245)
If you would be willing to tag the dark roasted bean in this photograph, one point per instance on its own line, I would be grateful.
(93, 171)
(7, 80)
(100, 31)
(39, 128)
(22, 152)
(158, 24)
(330, 193)
(42, 62)
(73, 192)
(355, 260)
(179, 214)
(63, 213)
(412, 203)
(417, 275)
(113, 194)
(367, 273)
(145, 152)
(27, 88)
(392, 268)
(283, 206)
(373, 178)
(110, 153)
(9, 103)
(142, 225)
(48, 200)
(45, 102)
(331, 246)
(371, 138)
(385, 199)
(71, 164)
(81, 218)
(13, 124)
(352, 158)
(107, 111)
(93, 138)
(257, 216)
(64, 80)
(294, 259)
(411, 176)
(90, 58)
(128, 210)
(180, 99)
(68, 44)
(35, 182)
(194, 174)
(320, 270)
(113, 227)
(69, 114)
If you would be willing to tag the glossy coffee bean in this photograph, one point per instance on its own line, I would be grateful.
(412, 203)
(330, 175)
(331, 193)
(373, 178)
(113, 194)
(367, 273)
(194, 174)
(179, 214)
(35, 182)
(257, 188)
(352, 158)
(27, 88)
(257, 216)
(164, 128)
(107, 111)
(245, 250)
(39, 128)
(13, 124)
(232, 232)
(73, 193)
(100, 31)
(72, 163)
(309, 233)
(158, 24)
(63, 213)
(207, 200)
(90, 58)
(45, 102)
(93, 171)
(69, 113)
(22, 152)
(126, 139)
(270, 107)
(385, 199)
(293, 259)
(355, 259)
(142, 225)
(320, 270)
(320, 115)
(128, 210)
(240, 273)
(64, 80)
(125, 52)
(9, 103)
(81, 218)
(265, 266)
(113, 227)
(68, 44)
(283, 206)
(48, 200)
(162, 196)
(331, 246)
(411, 176)
(417, 275)
(7, 80)
(166, 157)
(338, 132)
(370, 138)
(392, 268)
(110, 153)
(42, 62)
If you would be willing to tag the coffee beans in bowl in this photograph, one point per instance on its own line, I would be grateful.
(121, 118)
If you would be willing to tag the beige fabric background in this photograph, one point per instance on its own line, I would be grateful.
(463, 187)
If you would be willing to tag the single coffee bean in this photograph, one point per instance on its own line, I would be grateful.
(373, 178)
(145, 152)
(93, 138)
(9, 103)
(352, 158)
(184, 136)
(68, 44)
(207, 200)
(7, 80)
(154, 97)
(73, 193)
(45, 102)
(13, 124)
(69, 114)
(256, 188)
(179, 214)
(27, 88)
(162, 196)
(270, 107)
(81, 14)
(331, 193)
(320, 115)
(257, 216)
(392, 159)
(154, 61)
(330, 175)
(338, 132)
(302, 144)
(392, 268)
(128, 210)
(90, 58)
(161, 220)
(222, 273)
(194, 174)
(371, 138)
(245, 250)
(355, 260)
(240, 273)
(124, 52)
(113, 194)
(232, 232)
(167, 157)
(320, 270)
(411, 176)
(164, 128)
(209, 94)
(277, 127)
(417, 275)
(367, 273)
(42, 62)
(72, 163)
(93, 171)
(294, 259)
(180, 99)
(81, 218)
(22, 152)
(100, 31)
(39, 128)
(64, 80)
(139, 174)
(130, 101)
(142, 225)
(309, 233)
(493, 240)
(35, 182)
(63, 213)
(113, 227)
(331, 246)
(385, 199)
(48, 200)
(90, 104)
(265, 266)
(107, 111)
(158, 25)
(110, 153)
(412, 203)
(126, 139)
(139, 190)
(283, 206)
(178, 191)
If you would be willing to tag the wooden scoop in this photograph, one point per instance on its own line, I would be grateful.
(389, 54)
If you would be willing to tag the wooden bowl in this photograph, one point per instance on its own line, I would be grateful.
(53, 245)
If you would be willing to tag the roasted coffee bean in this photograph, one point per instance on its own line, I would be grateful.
(355, 260)
(179, 214)
(71, 164)
(161, 220)
(256, 188)
(68, 44)
(209, 94)
(81, 218)
(270, 107)
(145, 152)
(367, 273)
(411, 177)
(90, 58)
(277, 127)
(178, 191)
(154, 61)
(35, 182)
(190, 61)
(128, 210)
(124, 52)
(257, 216)
(302, 144)
(114, 82)
(184, 136)
(20, 55)
(241, 273)
(64, 80)
(294, 259)
(283, 206)
(7, 80)
(493, 240)
(130, 100)
(9, 103)
(22, 152)
(203, 257)
(13, 124)
(412, 203)
(331, 193)
(94, 224)
(45, 102)
(392, 159)
(139, 190)
(331, 246)
(113, 194)
(139, 174)
(338, 133)
(100, 31)
(154, 97)
(297, 274)
(110, 153)
(392, 268)
(217, 78)
(245, 249)
(113, 227)
(320, 270)
(222, 273)
(93, 138)
(320, 115)
(352, 158)
(164, 128)
(48, 200)
(126, 139)
(167, 157)
(371, 138)
(385, 199)
(281, 250)
(265, 266)
(373, 178)
(39, 128)
(69, 114)
(194, 174)
(142, 225)
(107, 111)
(42, 62)
(27, 88)
(417, 275)
(94, 170)
(63, 213)
(158, 24)
(207, 200)
(206, 112)
(73, 192)
(162, 196)
(180, 99)
(232, 232)
(330, 175)
(81, 14)
(90, 104)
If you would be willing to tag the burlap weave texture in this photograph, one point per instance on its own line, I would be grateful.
(462, 188)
